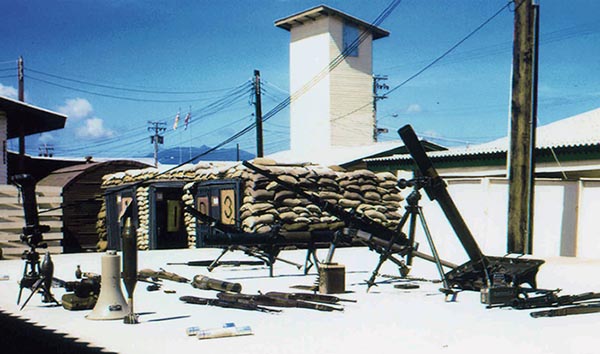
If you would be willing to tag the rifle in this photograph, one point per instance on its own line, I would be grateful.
(274, 301)
(327, 299)
(161, 274)
(550, 299)
(565, 311)
(207, 263)
(226, 304)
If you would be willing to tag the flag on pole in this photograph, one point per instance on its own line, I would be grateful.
(187, 119)
(176, 123)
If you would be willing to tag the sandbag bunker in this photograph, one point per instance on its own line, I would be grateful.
(241, 199)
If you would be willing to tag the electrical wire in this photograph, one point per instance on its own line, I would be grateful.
(113, 96)
(128, 89)
(432, 63)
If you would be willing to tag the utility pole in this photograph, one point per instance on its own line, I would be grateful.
(258, 114)
(46, 150)
(376, 97)
(156, 138)
(520, 174)
(21, 78)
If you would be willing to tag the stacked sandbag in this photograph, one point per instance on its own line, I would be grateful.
(266, 204)
(190, 221)
(101, 228)
(141, 178)
(143, 210)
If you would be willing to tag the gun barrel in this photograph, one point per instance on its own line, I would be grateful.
(436, 190)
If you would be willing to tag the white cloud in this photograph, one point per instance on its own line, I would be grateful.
(94, 128)
(8, 91)
(76, 108)
(46, 138)
(414, 108)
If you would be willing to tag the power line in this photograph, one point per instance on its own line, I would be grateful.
(129, 89)
(112, 96)
(428, 66)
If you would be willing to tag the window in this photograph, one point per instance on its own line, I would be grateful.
(350, 39)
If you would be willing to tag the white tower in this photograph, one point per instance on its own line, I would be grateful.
(330, 107)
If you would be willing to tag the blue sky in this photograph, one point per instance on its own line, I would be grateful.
(112, 66)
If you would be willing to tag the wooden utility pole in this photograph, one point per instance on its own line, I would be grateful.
(520, 176)
(258, 114)
(21, 79)
(156, 138)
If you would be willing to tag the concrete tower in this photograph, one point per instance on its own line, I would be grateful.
(330, 107)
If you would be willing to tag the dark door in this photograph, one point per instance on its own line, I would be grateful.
(169, 225)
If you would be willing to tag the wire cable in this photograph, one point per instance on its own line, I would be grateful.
(129, 89)
(432, 63)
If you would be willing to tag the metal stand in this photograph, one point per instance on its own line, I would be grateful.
(413, 210)
(35, 277)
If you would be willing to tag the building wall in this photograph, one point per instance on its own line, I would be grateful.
(351, 110)
(309, 110)
(565, 218)
(4, 152)
(326, 113)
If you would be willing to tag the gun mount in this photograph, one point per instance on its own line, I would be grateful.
(265, 247)
(36, 277)
(480, 271)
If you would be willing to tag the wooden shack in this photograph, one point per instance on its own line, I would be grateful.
(82, 200)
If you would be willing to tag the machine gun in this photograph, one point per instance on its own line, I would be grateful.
(265, 247)
(361, 229)
(480, 272)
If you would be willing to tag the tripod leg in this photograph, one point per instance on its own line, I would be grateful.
(411, 234)
(215, 263)
(446, 290)
(34, 289)
(308, 262)
(371, 280)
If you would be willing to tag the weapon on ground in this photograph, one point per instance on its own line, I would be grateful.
(206, 283)
(226, 304)
(549, 298)
(356, 221)
(43, 283)
(275, 301)
(266, 247)
(36, 277)
(566, 311)
(383, 240)
(480, 271)
(161, 274)
(327, 299)
(129, 263)
(206, 263)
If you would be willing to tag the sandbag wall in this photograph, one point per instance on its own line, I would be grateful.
(142, 179)
(266, 204)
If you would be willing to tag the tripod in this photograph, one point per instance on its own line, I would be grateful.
(35, 277)
(413, 210)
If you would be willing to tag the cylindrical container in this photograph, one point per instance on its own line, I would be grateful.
(206, 283)
(224, 332)
(111, 304)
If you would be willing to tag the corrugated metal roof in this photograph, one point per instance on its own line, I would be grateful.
(336, 155)
(64, 177)
(579, 130)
